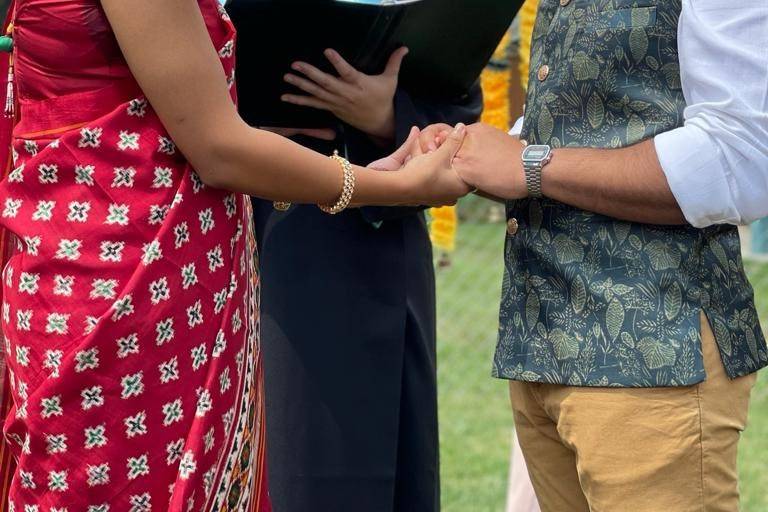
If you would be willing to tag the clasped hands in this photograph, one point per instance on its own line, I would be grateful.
(447, 163)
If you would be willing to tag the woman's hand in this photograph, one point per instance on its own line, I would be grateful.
(431, 179)
(437, 182)
(362, 101)
(399, 158)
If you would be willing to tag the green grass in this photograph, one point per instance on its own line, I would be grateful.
(753, 459)
(475, 419)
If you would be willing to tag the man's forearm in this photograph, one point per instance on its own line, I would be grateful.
(627, 183)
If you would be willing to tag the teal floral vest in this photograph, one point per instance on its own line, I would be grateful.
(588, 300)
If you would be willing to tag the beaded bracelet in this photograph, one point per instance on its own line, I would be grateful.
(347, 190)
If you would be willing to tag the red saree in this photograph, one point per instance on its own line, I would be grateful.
(130, 311)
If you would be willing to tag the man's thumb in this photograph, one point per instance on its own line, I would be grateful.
(453, 143)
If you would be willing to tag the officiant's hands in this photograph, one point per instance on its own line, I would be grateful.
(362, 101)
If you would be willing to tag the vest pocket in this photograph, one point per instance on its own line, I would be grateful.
(621, 19)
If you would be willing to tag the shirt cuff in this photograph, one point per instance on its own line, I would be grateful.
(517, 128)
(692, 163)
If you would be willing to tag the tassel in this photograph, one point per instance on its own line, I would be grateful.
(10, 100)
(6, 45)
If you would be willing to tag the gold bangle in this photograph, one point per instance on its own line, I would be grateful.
(281, 206)
(347, 189)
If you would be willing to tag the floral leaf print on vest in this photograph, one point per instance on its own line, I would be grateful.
(593, 301)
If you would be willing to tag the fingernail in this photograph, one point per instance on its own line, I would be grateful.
(288, 78)
(296, 66)
(459, 128)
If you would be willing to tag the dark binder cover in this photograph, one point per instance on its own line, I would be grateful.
(450, 43)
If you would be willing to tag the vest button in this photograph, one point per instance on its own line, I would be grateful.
(543, 73)
(512, 226)
(563, 3)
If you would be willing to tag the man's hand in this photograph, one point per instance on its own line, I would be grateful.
(433, 136)
(362, 101)
(491, 161)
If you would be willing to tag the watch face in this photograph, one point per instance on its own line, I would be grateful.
(536, 153)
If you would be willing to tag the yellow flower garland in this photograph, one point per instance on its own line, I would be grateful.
(527, 20)
(442, 228)
(495, 82)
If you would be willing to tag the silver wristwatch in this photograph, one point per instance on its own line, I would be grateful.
(534, 159)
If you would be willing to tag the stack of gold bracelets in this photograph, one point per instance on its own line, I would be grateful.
(347, 189)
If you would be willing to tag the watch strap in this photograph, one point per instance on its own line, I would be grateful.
(533, 178)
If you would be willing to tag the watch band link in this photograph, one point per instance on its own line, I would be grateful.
(533, 179)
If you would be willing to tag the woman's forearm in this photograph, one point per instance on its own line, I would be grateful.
(266, 165)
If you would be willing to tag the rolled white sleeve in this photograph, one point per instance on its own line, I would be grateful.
(517, 128)
(717, 163)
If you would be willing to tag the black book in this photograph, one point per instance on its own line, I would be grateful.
(450, 43)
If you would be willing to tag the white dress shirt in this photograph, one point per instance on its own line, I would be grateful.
(717, 163)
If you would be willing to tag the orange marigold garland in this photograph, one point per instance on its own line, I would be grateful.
(442, 229)
(495, 81)
(527, 20)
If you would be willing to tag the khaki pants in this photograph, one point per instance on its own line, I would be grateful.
(635, 450)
